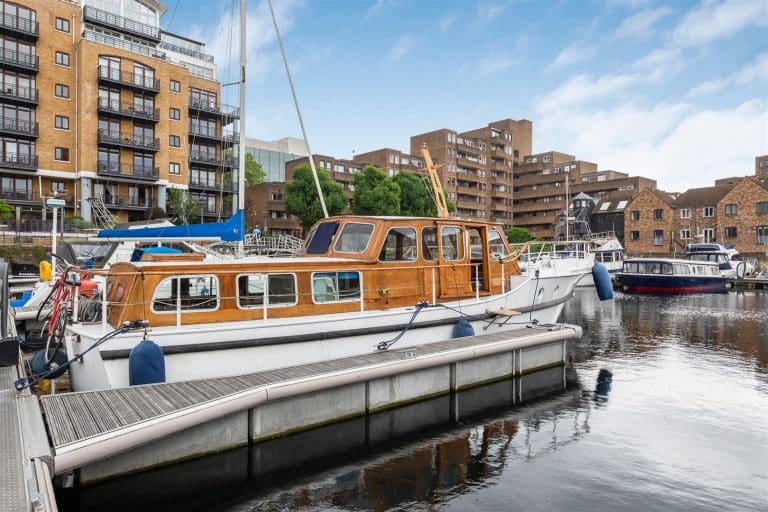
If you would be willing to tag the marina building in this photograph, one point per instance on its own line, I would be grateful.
(107, 111)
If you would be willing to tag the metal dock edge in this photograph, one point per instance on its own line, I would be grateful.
(91, 426)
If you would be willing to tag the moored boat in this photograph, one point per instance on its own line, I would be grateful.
(363, 284)
(671, 276)
(726, 256)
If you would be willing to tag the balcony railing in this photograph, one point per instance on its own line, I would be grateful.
(211, 160)
(19, 60)
(122, 44)
(211, 185)
(109, 20)
(19, 26)
(226, 111)
(129, 109)
(25, 162)
(186, 51)
(128, 140)
(128, 79)
(14, 93)
(111, 201)
(16, 195)
(16, 126)
(139, 172)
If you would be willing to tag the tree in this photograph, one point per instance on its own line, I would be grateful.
(183, 206)
(375, 193)
(301, 196)
(6, 211)
(254, 174)
(517, 235)
(416, 200)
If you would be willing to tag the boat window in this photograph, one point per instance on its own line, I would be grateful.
(192, 293)
(250, 290)
(452, 240)
(650, 267)
(666, 268)
(632, 267)
(714, 270)
(321, 237)
(429, 243)
(496, 243)
(681, 268)
(399, 245)
(354, 237)
(335, 286)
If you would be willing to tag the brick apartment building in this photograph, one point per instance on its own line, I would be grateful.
(735, 211)
(102, 107)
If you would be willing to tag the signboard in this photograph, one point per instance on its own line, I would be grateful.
(54, 203)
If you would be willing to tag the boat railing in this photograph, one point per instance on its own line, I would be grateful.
(273, 245)
(94, 310)
(539, 252)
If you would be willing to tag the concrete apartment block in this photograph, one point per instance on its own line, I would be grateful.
(102, 105)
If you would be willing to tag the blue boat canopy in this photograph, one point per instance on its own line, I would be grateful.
(231, 230)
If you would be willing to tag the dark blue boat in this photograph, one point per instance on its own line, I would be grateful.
(666, 276)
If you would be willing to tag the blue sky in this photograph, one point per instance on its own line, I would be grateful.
(676, 91)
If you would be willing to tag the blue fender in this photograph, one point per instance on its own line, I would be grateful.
(463, 328)
(146, 364)
(602, 279)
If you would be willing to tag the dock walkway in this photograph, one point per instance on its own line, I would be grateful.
(89, 426)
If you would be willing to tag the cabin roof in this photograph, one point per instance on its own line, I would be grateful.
(406, 218)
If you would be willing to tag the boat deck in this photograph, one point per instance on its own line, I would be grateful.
(78, 421)
(11, 469)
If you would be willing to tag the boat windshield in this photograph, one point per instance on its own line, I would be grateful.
(354, 237)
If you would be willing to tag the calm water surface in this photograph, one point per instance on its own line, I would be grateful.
(682, 425)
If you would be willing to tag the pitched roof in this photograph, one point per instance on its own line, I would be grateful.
(614, 200)
(705, 196)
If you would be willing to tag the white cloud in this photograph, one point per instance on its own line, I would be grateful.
(660, 64)
(680, 145)
(640, 25)
(714, 20)
(488, 11)
(583, 88)
(402, 47)
(752, 72)
(572, 54)
(492, 64)
(447, 22)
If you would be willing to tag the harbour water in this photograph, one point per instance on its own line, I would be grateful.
(663, 406)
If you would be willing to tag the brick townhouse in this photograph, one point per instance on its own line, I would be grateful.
(648, 221)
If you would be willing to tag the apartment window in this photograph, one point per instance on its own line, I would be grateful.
(338, 168)
(61, 154)
(61, 122)
(61, 91)
(709, 211)
(175, 85)
(762, 235)
(685, 213)
(174, 168)
(62, 59)
(730, 209)
(761, 208)
(634, 235)
(277, 196)
(174, 141)
(62, 25)
(685, 234)
(174, 114)
(634, 215)
(545, 159)
(57, 187)
(658, 237)
(658, 214)
(730, 232)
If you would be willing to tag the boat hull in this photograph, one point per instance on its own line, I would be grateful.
(673, 285)
(210, 351)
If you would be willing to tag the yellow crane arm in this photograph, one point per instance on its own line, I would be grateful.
(437, 186)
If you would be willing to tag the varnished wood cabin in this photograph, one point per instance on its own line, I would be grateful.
(352, 263)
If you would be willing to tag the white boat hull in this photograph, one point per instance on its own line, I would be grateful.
(212, 350)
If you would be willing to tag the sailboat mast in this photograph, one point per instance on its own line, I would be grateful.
(241, 152)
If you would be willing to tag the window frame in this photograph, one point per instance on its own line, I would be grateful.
(177, 84)
(415, 240)
(685, 213)
(64, 151)
(172, 139)
(337, 272)
(64, 88)
(64, 57)
(177, 111)
(340, 233)
(731, 209)
(64, 22)
(268, 304)
(177, 310)
(170, 169)
(64, 121)
(708, 211)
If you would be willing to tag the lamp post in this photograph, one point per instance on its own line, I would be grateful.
(54, 204)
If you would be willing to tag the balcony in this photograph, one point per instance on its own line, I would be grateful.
(226, 139)
(18, 61)
(19, 27)
(17, 196)
(22, 162)
(165, 45)
(129, 171)
(228, 113)
(113, 21)
(18, 127)
(128, 140)
(204, 159)
(213, 186)
(129, 110)
(499, 193)
(128, 202)
(19, 95)
(127, 79)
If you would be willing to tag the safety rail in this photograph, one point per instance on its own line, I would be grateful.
(270, 245)
(109, 20)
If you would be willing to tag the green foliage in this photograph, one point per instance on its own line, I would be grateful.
(19, 253)
(254, 174)
(184, 208)
(6, 211)
(517, 235)
(301, 196)
(415, 197)
(375, 193)
(77, 223)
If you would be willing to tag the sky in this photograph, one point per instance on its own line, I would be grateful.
(674, 91)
